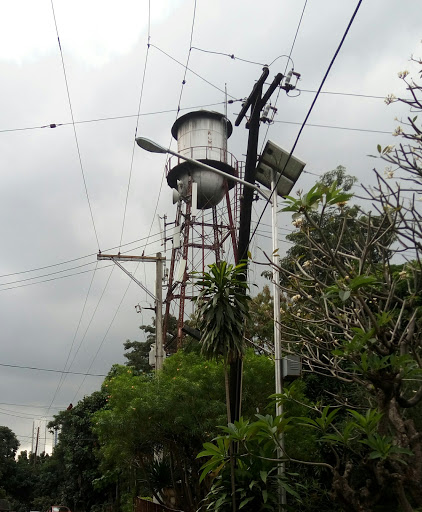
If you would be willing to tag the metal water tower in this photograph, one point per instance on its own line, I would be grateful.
(207, 207)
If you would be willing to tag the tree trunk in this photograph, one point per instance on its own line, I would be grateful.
(232, 468)
(401, 497)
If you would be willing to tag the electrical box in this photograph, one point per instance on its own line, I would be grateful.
(151, 356)
(291, 367)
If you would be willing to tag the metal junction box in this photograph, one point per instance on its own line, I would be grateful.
(291, 366)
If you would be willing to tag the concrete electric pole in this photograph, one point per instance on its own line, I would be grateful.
(158, 297)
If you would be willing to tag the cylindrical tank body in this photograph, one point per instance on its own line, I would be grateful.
(202, 135)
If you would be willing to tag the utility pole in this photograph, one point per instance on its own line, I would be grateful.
(256, 102)
(159, 338)
(36, 445)
(158, 297)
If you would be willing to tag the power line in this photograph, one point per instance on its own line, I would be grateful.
(79, 258)
(52, 279)
(309, 111)
(297, 31)
(8, 412)
(193, 72)
(73, 124)
(213, 105)
(62, 378)
(366, 130)
(35, 368)
(369, 96)
(231, 55)
(102, 341)
(69, 275)
(177, 115)
(45, 275)
(285, 70)
(64, 373)
(18, 416)
(31, 405)
(137, 124)
(112, 118)
(189, 53)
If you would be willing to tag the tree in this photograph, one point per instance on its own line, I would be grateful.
(9, 444)
(222, 310)
(354, 315)
(329, 223)
(75, 455)
(260, 327)
(137, 352)
(173, 415)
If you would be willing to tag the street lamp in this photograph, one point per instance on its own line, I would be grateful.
(279, 171)
(154, 147)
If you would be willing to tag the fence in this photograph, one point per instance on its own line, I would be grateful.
(141, 505)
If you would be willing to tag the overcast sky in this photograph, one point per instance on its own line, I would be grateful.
(62, 197)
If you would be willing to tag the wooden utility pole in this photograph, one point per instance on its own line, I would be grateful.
(36, 445)
(256, 102)
(158, 297)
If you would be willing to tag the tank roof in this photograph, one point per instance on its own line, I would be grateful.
(200, 113)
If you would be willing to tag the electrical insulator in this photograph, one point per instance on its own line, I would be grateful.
(264, 117)
(287, 85)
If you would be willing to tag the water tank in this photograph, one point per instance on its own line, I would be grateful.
(202, 135)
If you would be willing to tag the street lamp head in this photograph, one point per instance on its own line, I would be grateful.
(150, 145)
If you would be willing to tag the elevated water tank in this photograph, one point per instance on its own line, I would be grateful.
(202, 135)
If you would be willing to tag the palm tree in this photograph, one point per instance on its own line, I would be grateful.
(222, 309)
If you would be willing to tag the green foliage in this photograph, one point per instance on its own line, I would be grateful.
(173, 414)
(9, 444)
(319, 194)
(260, 327)
(222, 308)
(75, 456)
(382, 447)
(137, 352)
(257, 480)
(323, 422)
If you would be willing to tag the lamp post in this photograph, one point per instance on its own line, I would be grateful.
(271, 172)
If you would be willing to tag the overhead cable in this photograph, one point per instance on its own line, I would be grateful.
(79, 258)
(36, 368)
(274, 110)
(367, 130)
(102, 341)
(193, 72)
(112, 118)
(231, 55)
(74, 127)
(65, 367)
(137, 124)
(33, 406)
(309, 112)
